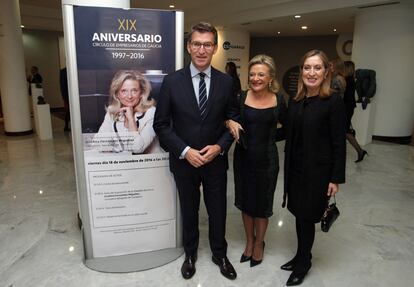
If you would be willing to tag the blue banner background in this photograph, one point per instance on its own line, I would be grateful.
(97, 65)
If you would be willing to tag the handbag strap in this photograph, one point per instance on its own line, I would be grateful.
(329, 200)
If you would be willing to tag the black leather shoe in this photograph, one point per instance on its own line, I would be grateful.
(298, 274)
(361, 156)
(245, 258)
(254, 262)
(288, 266)
(295, 279)
(188, 268)
(225, 267)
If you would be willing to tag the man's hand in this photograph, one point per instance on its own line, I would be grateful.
(210, 152)
(195, 158)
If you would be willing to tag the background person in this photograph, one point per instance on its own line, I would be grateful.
(314, 155)
(194, 103)
(34, 78)
(127, 125)
(350, 105)
(256, 165)
(338, 83)
(231, 70)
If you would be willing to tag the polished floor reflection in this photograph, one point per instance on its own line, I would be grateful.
(371, 244)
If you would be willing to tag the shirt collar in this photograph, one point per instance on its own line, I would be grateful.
(194, 71)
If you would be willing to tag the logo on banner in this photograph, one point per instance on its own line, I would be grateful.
(127, 24)
(125, 39)
(227, 45)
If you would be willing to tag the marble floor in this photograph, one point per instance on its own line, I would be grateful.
(371, 244)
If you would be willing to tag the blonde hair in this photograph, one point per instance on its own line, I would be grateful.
(270, 63)
(117, 81)
(325, 89)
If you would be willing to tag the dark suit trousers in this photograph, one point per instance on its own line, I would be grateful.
(215, 199)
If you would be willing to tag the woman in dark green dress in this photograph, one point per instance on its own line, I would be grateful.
(256, 161)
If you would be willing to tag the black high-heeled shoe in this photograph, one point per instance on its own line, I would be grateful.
(245, 258)
(297, 276)
(295, 279)
(257, 262)
(289, 266)
(361, 155)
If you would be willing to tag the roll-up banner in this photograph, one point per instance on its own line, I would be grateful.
(116, 60)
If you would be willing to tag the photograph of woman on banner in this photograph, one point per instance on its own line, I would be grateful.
(127, 126)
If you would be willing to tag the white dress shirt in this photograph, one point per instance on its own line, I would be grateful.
(195, 77)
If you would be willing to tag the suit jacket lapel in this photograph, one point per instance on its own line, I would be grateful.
(214, 82)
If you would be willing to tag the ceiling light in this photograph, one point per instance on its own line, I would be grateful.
(334, 30)
(172, 6)
(304, 27)
(297, 16)
(278, 32)
(22, 26)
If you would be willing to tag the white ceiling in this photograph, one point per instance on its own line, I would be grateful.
(259, 17)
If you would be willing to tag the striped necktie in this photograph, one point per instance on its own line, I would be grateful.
(202, 95)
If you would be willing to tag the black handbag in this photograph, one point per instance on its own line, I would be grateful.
(329, 216)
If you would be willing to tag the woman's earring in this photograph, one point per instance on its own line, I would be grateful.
(270, 84)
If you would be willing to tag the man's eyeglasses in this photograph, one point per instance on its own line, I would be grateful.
(208, 46)
(125, 92)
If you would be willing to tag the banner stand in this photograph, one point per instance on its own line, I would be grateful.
(134, 262)
(94, 257)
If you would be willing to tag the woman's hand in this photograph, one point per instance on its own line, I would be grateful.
(129, 121)
(234, 128)
(333, 188)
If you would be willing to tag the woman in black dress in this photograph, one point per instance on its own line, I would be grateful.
(256, 161)
(314, 155)
(350, 105)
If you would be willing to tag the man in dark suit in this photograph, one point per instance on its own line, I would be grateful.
(193, 104)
